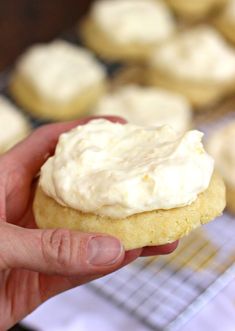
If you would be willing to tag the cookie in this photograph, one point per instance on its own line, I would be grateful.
(221, 146)
(197, 63)
(58, 81)
(195, 10)
(145, 185)
(113, 30)
(14, 126)
(225, 21)
(147, 106)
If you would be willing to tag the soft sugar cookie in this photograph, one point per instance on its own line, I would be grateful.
(195, 10)
(146, 186)
(127, 29)
(147, 106)
(225, 21)
(58, 81)
(221, 145)
(13, 125)
(197, 63)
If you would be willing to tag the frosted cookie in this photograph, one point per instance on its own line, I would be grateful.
(13, 125)
(147, 106)
(146, 186)
(225, 21)
(127, 29)
(195, 9)
(197, 63)
(222, 147)
(57, 80)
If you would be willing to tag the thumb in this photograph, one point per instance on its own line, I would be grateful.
(58, 251)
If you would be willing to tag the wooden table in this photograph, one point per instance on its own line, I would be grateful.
(23, 22)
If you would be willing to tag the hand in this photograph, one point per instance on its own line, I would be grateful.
(37, 264)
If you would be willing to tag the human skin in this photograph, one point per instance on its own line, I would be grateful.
(38, 264)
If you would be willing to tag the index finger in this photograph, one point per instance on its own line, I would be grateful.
(159, 250)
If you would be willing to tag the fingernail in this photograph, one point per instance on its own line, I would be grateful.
(104, 251)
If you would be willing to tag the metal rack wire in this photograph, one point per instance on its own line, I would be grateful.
(165, 292)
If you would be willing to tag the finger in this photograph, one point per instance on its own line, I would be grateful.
(131, 256)
(50, 286)
(159, 250)
(34, 150)
(58, 251)
(2, 202)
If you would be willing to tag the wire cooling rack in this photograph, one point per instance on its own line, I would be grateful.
(165, 292)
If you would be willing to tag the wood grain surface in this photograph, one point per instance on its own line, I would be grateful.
(23, 22)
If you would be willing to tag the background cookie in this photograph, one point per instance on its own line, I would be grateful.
(14, 126)
(113, 30)
(147, 106)
(195, 10)
(58, 81)
(197, 63)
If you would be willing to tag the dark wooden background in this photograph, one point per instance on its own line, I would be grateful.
(23, 22)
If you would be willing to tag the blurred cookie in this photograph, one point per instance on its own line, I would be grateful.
(147, 106)
(225, 21)
(221, 145)
(195, 9)
(197, 63)
(127, 29)
(57, 81)
(13, 125)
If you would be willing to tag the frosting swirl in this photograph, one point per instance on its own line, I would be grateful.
(118, 170)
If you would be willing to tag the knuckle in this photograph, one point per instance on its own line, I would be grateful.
(58, 246)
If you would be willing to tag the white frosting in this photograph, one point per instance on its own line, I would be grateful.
(130, 21)
(13, 125)
(59, 70)
(229, 11)
(147, 106)
(222, 147)
(119, 170)
(198, 54)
